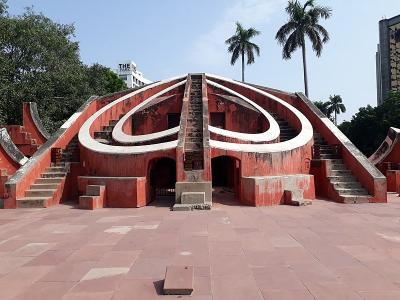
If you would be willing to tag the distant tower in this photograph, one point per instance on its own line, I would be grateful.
(128, 72)
(388, 58)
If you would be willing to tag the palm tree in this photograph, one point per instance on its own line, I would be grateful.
(303, 21)
(239, 45)
(323, 107)
(335, 106)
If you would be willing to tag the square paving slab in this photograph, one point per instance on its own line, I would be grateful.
(322, 251)
(178, 280)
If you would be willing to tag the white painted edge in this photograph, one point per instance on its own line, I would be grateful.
(87, 141)
(71, 120)
(271, 134)
(23, 161)
(305, 135)
(124, 138)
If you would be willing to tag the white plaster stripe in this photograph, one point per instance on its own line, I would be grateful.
(271, 134)
(305, 135)
(71, 120)
(124, 138)
(87, 141)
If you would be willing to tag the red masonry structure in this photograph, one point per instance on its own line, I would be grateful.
(187, 138)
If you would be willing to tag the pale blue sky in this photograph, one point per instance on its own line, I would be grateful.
(167, 38)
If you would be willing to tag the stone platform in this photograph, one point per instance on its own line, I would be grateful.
(323, 251)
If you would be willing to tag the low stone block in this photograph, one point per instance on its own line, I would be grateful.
(182, 207)
(178, 280)
(184, 187)
(193, 197)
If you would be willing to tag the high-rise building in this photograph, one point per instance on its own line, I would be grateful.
(388, 58)
(128, 72)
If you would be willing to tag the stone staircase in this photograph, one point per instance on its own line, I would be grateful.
(344, 184)
(71, 152)
(287, 132)
(48, 188)
(193, 147)
(105, 135)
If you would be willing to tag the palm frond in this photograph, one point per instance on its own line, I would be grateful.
(323, 32)
(315, 40)
(293, 42)
(309, 3)
(322, 11)
(235, 55)
(283, 32)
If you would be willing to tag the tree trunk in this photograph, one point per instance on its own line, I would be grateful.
(242, 66)
(303, 48)
(335, 118)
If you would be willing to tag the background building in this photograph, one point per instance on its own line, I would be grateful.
(388, 58)
(129, 73)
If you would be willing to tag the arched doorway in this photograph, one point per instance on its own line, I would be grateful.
(162, 177)
(225, 179)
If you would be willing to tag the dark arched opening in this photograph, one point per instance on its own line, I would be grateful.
(162, 177)
(225, 179)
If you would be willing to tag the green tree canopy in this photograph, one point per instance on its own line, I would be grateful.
(368, 128)
(40, 62)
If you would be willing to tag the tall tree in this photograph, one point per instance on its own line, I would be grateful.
(303, 22)
(39, 62)
(335, 106)
(240, 45)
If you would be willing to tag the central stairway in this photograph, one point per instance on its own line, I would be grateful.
(194, 156)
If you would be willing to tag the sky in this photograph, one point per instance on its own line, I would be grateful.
(166, 38)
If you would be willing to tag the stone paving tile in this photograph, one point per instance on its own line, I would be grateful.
(46, 290)
(323, 251)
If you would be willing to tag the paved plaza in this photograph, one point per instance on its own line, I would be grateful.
(323, 251)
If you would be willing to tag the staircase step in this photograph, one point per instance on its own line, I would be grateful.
(347, 185)
(44, 186)
(56, 169)
(355, 199)
(351, 191)
(49, 180)
(32, 202)
(39, 193)
(340, 172)
(338, 167)
(53, 174)
(344, 178)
